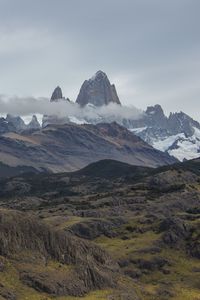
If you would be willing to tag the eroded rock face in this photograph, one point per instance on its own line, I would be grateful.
(98, 91)
(83, 266)
(95, 228)
(175, 231)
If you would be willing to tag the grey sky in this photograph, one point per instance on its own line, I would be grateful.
(149, 48)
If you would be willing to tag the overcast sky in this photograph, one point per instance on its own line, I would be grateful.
(150, 49)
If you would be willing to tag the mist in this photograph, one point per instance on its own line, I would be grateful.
(29, 106)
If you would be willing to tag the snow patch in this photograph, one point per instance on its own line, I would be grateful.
(186, 147)
(77, 121)
(165, 144)
(137, 130)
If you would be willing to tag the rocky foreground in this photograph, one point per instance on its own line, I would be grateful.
(109, 231)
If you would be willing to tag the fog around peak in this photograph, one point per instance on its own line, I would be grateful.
(27, 106)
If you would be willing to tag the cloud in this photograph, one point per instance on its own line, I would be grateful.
(150, 49)
(28, 106)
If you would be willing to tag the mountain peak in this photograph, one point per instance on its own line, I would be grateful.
(156, 109)
(98, 91)
(16, 121)
(34, 124)
(57, 94)
(99, 75)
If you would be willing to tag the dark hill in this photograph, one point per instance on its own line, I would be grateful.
(109, 169)
(9, 171)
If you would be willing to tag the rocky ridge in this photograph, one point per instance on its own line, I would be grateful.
(70, 147)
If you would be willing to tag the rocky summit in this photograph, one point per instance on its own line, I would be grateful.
(57, 94)
(34, 124)
(178, 134)
(98, 91)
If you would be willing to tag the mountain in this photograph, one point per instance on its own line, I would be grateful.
(34, 124)
(70, 147)
(178, 134)
(133, 235)
(16, 122)
(6, 126)
(97, 91)
(57, 94)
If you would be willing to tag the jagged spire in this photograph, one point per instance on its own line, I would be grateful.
(98, 91)
(57, 94)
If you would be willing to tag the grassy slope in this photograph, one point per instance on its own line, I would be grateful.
(181, 281)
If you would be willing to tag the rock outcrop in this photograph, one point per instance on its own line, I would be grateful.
(83, 266)
(98, 91)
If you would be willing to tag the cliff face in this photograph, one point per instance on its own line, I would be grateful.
(98, 91)
(82, 266)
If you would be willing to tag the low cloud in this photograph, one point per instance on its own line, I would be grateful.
(28, 106)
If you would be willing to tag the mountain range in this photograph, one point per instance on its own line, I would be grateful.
(68, 147)
(178, 134)
(71, 142)
(94, 211)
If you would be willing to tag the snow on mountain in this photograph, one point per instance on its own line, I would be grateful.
(187, 147)
(75, 120)
(165, 144)
(138, 130)
(177, 134)
(180, 145)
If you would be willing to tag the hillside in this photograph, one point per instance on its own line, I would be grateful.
(147, 220)
(47, 260)
(69, 147)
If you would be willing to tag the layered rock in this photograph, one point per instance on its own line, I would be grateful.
(70, 147)
(83, 266)
(98, 91)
